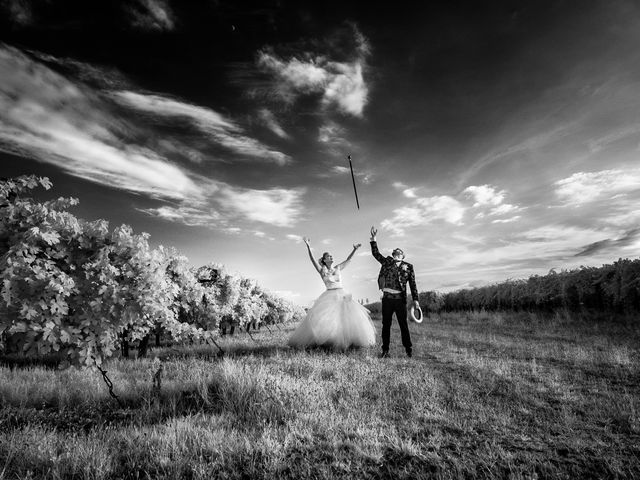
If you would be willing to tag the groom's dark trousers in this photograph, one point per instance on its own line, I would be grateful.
(394, 303)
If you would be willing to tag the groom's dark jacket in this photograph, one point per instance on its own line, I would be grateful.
(396, 277)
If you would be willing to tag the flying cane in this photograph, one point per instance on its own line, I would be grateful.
(353, 179)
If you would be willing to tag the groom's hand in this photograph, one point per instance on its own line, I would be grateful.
(374, 232)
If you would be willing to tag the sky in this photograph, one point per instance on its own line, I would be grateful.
(489, 140)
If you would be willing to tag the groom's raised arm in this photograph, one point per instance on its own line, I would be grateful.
(374, 246)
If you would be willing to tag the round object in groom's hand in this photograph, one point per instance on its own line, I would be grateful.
(412, 314)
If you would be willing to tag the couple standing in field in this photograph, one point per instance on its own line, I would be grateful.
(337, 320)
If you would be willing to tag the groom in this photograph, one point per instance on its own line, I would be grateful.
(392, 280)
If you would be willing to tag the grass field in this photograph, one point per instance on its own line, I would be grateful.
(485, 396)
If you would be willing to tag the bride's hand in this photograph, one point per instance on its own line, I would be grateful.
(356, 246)
(306, 240)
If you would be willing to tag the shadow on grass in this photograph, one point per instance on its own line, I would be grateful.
(245, 398)
(16, 360)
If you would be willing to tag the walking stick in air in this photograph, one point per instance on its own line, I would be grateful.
(353, 178)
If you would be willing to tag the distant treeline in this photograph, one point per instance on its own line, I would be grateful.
(610, 288)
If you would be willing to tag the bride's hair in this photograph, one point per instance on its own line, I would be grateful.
(321, 259)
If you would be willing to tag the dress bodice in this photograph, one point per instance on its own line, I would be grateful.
(331, 278)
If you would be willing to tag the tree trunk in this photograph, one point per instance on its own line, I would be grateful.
(143, 347)
(124, 347)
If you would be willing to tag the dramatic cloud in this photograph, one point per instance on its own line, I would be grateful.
(151, 15)
(630, 241)
(221, 130)
(339, 84)
(424, 211)
(269, 120)
(277, 206)
(333, 135)
(488, 196)
(48, 117)
(517, 255)
(506, 220)
(333, 139)
(225, 203)
(485, 195)
(585, 187)
(187, 215)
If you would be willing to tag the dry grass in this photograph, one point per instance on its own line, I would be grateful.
(485, 396)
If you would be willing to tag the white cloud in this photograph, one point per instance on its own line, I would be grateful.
(269, 120)
(340, 84)
(220, 129)
(333, 139)
(584, 187)
(151, 15)
(488, 196)
(331, 132)
(340, 170)
(295, 238)
(347, 89)
(361, 176)
(564, 234)
(276, 206)
(487, 202)
(194, 216)
(279, 207)
(519, 255)
(46, 116)
(504, 209)
(506, 220)
(484, 195)
(424, 211)
(409, 192)
(305, 76)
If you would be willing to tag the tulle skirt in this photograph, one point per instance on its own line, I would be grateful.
(335, 320)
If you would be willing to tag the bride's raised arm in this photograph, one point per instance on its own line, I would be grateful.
(342, 265)
(313, 260)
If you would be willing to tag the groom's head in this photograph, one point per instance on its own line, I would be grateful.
(397, 254)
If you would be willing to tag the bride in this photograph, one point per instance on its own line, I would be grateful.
(335, 319)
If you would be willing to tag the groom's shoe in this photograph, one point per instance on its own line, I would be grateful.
(409, 354)
(384, 354)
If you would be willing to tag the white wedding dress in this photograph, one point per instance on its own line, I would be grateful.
(335, 319)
